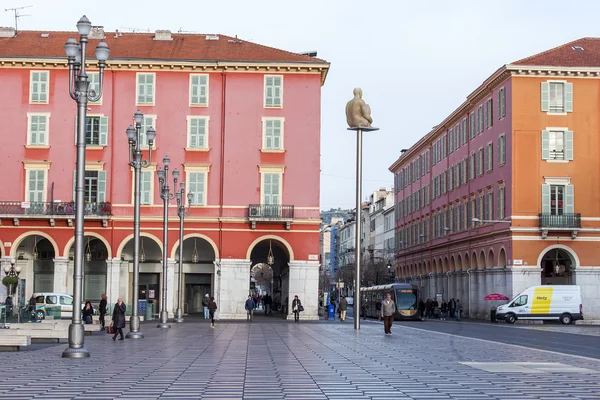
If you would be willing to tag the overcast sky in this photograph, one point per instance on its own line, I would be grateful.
(416, 61)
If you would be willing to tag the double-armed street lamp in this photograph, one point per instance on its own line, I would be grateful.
(180, 196)
(79, 89)
(137, 163)
(166, 195)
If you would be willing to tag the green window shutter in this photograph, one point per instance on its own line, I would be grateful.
(42, 124)
(545, 199)
(498, 200)
(277, 91)
(141, 88)
(103, 131)
(33, 128)
(101, 186)
(203, 91)
(194, 90)
(74, 183)
(491, 116)
(568, 97)
(545, 145)
(498, 110)
(145, 186)
(485, 114)
(545, 96)
(569, 199)
(569, 145)
(499, 150)
(503, 102)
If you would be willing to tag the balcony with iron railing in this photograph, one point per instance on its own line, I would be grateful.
(270, 213)
(52, 210)
(560, 222)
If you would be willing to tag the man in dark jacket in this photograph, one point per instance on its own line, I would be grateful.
(205, 306)
(118, 319)
(343, 308)
(103, 308)
(249, 308)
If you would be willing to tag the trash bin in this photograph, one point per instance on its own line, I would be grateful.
(493, 315)
(331, 311)
(149, 311)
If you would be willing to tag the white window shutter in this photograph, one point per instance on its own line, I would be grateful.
(545, 145)
(569, 199)
(545, 199)
(545, 96)
(103, 131)
(101, 186)
(569, 145)
(568, 97)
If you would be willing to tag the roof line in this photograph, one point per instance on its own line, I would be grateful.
(549, 50)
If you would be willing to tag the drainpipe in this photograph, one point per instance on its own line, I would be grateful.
(469, 273)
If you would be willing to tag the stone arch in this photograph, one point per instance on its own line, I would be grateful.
(142, 234)
(440, 265)
(570, 252)
(465, 264)
(90, 234)
(490, 259)
(502, 257)
(474, 261)
(445, 265)
(433, 267)
(199, 236)
(267, 237)
(19, 239)
(452, 263)
(481, 260)
(459, 263)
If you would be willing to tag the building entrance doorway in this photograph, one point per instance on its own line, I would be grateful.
(557, 268)
(149, 289)
(196, 287)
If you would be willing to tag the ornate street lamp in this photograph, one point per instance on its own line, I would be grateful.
(180, 196)
(79, 89)
(166, 195)
(12, 272)
(137, 163)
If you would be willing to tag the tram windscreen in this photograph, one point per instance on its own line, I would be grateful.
(406, 299)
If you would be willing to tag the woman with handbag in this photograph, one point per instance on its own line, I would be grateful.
(118, 319)
(297, 308)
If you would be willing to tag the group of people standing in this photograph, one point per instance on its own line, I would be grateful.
(432, 309)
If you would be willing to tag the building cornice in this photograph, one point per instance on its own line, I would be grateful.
(183, 66)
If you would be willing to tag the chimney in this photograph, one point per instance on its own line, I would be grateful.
(162, 35)
(7, 32)
(97, 32)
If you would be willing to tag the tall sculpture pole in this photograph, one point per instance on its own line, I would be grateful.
(358, 116)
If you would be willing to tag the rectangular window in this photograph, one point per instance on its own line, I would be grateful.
(197, 186)
(198, 90)
(451, 178)
(145, 88)
(273, 91)
(472, 166)
(39, 86)
(490, 108)
(197, 132)
(481, 119)
(502, 149)
(465, 133)
(463, 170)
(38, 129)
(451, 141)
(96, 131)
(480, 207)
(501, 103)
(500, 203)
(35, 185)
(148, 122)
(472, 125)
(557, 145)
(146, 187)
(94, 79)
(480, 160)
(489, 206)
(444, 146)
(465, 215)
(271, 189)
(94, 186)
(473, 213)
(457, 175)
(489, 157)
(557, 97)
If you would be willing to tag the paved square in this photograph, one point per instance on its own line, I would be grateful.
(284, 360)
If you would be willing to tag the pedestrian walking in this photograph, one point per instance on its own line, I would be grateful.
(458, 309)
(212, 307)
(388, 309)
(205, 301)
(297, 308)
(364, 308)
(343, 308)
(118, 319)
(444, 310)
(250, 306)
(102, 308)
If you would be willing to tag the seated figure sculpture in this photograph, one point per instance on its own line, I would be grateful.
(358, 113)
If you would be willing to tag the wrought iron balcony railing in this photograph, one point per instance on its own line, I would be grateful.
(564, 221)
(270, 212)
(52, 209)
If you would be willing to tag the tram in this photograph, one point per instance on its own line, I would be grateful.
(405, 296)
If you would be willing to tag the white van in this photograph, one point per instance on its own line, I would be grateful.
(550, 302)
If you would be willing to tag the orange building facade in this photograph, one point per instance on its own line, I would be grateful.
(240, 121)
(512, 199)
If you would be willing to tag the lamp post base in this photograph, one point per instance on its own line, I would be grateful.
(179, 314)
(178, 320)
(76, 349)
(164, 318)
(134, 328)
